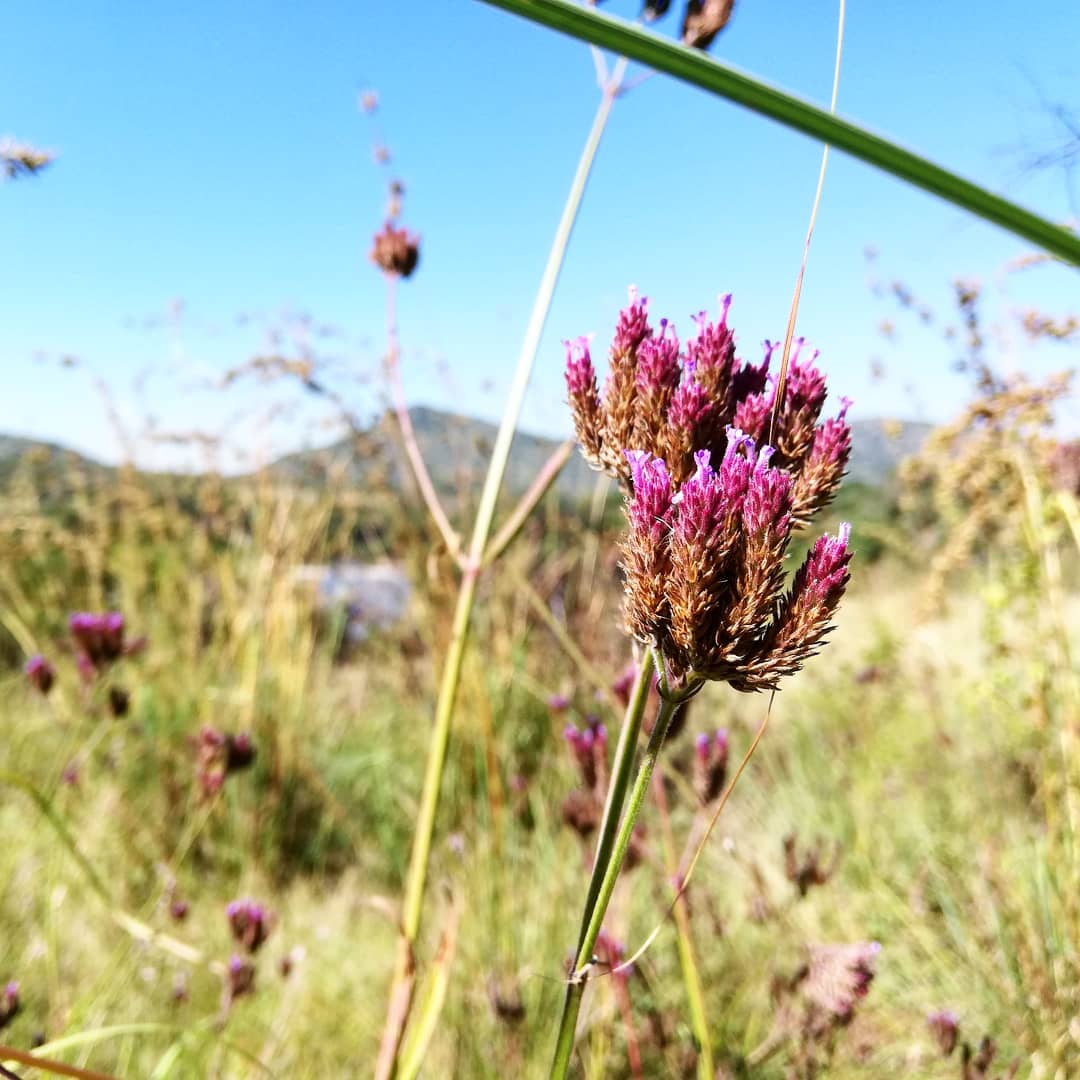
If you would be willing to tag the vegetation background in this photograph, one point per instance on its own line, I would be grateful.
(918, 787)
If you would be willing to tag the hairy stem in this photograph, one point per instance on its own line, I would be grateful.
(576, 988)
(618, 787)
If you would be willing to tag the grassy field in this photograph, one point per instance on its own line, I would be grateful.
(924, 767)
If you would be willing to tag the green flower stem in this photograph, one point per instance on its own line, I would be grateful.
(575, 990)
(400, 996)
(696, 68)
(618, 786)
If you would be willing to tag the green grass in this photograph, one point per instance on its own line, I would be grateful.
(937, 774)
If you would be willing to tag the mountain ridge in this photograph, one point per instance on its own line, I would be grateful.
(456, 449)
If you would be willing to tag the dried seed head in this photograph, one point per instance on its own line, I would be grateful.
(397, 251)
(19, 159)
(808, 868)
(119, 701)
(705, 19)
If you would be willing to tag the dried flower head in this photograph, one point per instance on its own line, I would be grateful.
(397, 251)
(119, 701)
(18, 159)
(672, 401)
(805, 869)
(705, 19)
(40, 673)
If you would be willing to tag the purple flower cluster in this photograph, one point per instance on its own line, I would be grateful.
(672, 402)
(99, 641)
(40, 673)
(99, 638)
(704, 565)
(249, 922)
(218, 754)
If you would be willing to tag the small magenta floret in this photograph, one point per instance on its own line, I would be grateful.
(40, 673)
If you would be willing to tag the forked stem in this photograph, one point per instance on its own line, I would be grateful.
(403, 982)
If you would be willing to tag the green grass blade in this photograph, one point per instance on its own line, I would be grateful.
(694, 67)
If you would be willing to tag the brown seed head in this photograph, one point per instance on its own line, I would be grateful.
(397, 251)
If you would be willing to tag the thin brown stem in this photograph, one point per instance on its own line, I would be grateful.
(789, 333)
(57, 1068)
(547, 476)
(405, 425)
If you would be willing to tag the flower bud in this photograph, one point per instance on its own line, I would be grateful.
(945, 1027)
(40, 673)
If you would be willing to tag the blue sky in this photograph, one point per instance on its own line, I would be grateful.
(216, 180)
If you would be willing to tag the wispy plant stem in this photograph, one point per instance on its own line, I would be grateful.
(403, 983)
(405, 424)
(575, 990)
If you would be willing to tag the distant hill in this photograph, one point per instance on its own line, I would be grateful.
(49, 456)
(457, 449)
